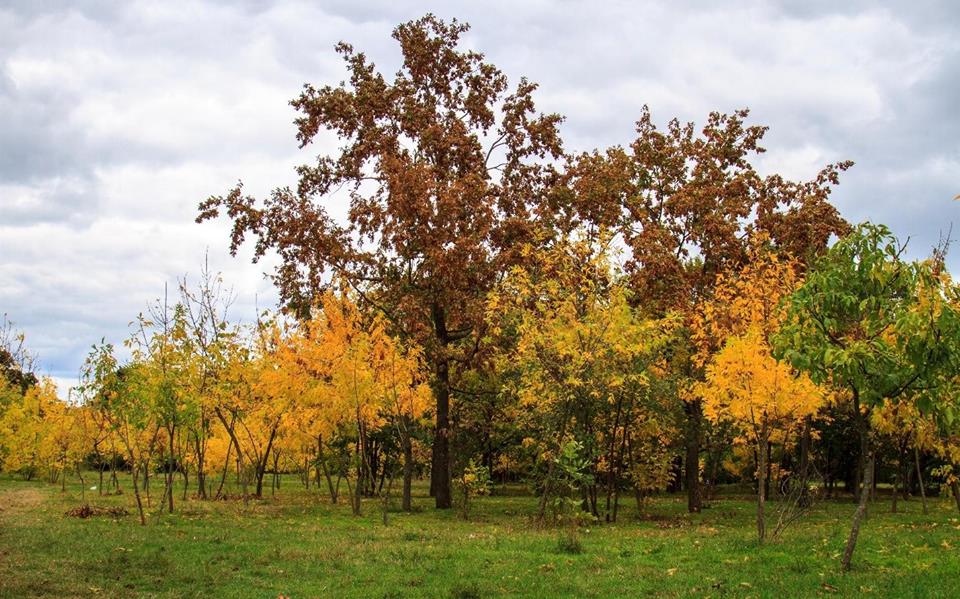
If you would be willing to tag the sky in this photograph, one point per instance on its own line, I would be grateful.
(117, 118)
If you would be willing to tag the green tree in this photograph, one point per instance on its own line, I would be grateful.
(877, 327)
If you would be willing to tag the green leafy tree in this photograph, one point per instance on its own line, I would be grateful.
(877, 327)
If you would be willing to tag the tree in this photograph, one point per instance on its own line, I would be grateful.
(25, 444)
(878, 328)
(445, 173)
(117, 392)
(16, 361)
(746, 384)
(583, 358)
(687, 207)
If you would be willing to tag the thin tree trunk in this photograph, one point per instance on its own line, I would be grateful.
(762, 473)
(146, 481)
(136, 494)
(692, 461)
(955, 486)
(83, 485)
(355, 504)
(866, 453)
(334, 492)
(386, 500)
(611, 473)
(805, 442)
(170, 465)
(407, 502)
(262, 462)
(100, 472)
(896, 477)
(858, 515)
(201, 462)
(223, 476)
(923, 492)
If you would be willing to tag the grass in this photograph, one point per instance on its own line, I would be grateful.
(298, 545)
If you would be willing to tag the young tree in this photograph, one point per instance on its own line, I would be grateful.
(117, 392)
(583, 359)
(878, 328)
(747, 385)
(26, 445)
(445, 173)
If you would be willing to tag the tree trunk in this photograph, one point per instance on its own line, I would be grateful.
(201, 464)
(407, 472)
(896, 478)
(262, 462)
(955, 486)
(136, 494)
(762, 474)
(83, 484)
(100, 469)
(440, 472)
(223, 476)
(334, 494)
(691, 464)
(858, 515)
(923, 492)
(170, 465)
(146, 481)
(866, 458)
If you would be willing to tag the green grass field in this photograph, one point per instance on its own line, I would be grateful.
(298, 545)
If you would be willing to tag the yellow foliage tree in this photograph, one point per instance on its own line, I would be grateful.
(747, 385)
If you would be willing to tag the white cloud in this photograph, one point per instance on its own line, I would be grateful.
(117, 118)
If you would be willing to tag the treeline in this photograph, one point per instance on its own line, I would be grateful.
(610, 323)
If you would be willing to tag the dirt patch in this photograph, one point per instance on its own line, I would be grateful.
(19, 501)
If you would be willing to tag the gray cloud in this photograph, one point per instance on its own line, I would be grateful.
(116, 118)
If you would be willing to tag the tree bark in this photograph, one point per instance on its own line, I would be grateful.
(866, 458)
(201, 452)
(762, 474)
(262, 462)
(223, 476)
(326, 471)
(955, 486)
(896, 478)
(136, 494)
(440, 473)
(691, 464)
(923, 492)
(407, 502)
(170, 465)
(858, 515)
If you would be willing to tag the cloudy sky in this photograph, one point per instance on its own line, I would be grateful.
(116, 118)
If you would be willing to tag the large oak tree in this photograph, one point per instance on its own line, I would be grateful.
(445, 168)
(689, 206)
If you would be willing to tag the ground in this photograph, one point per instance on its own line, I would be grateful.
(297, 544)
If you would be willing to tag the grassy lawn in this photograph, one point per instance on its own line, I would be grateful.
(298, 545)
